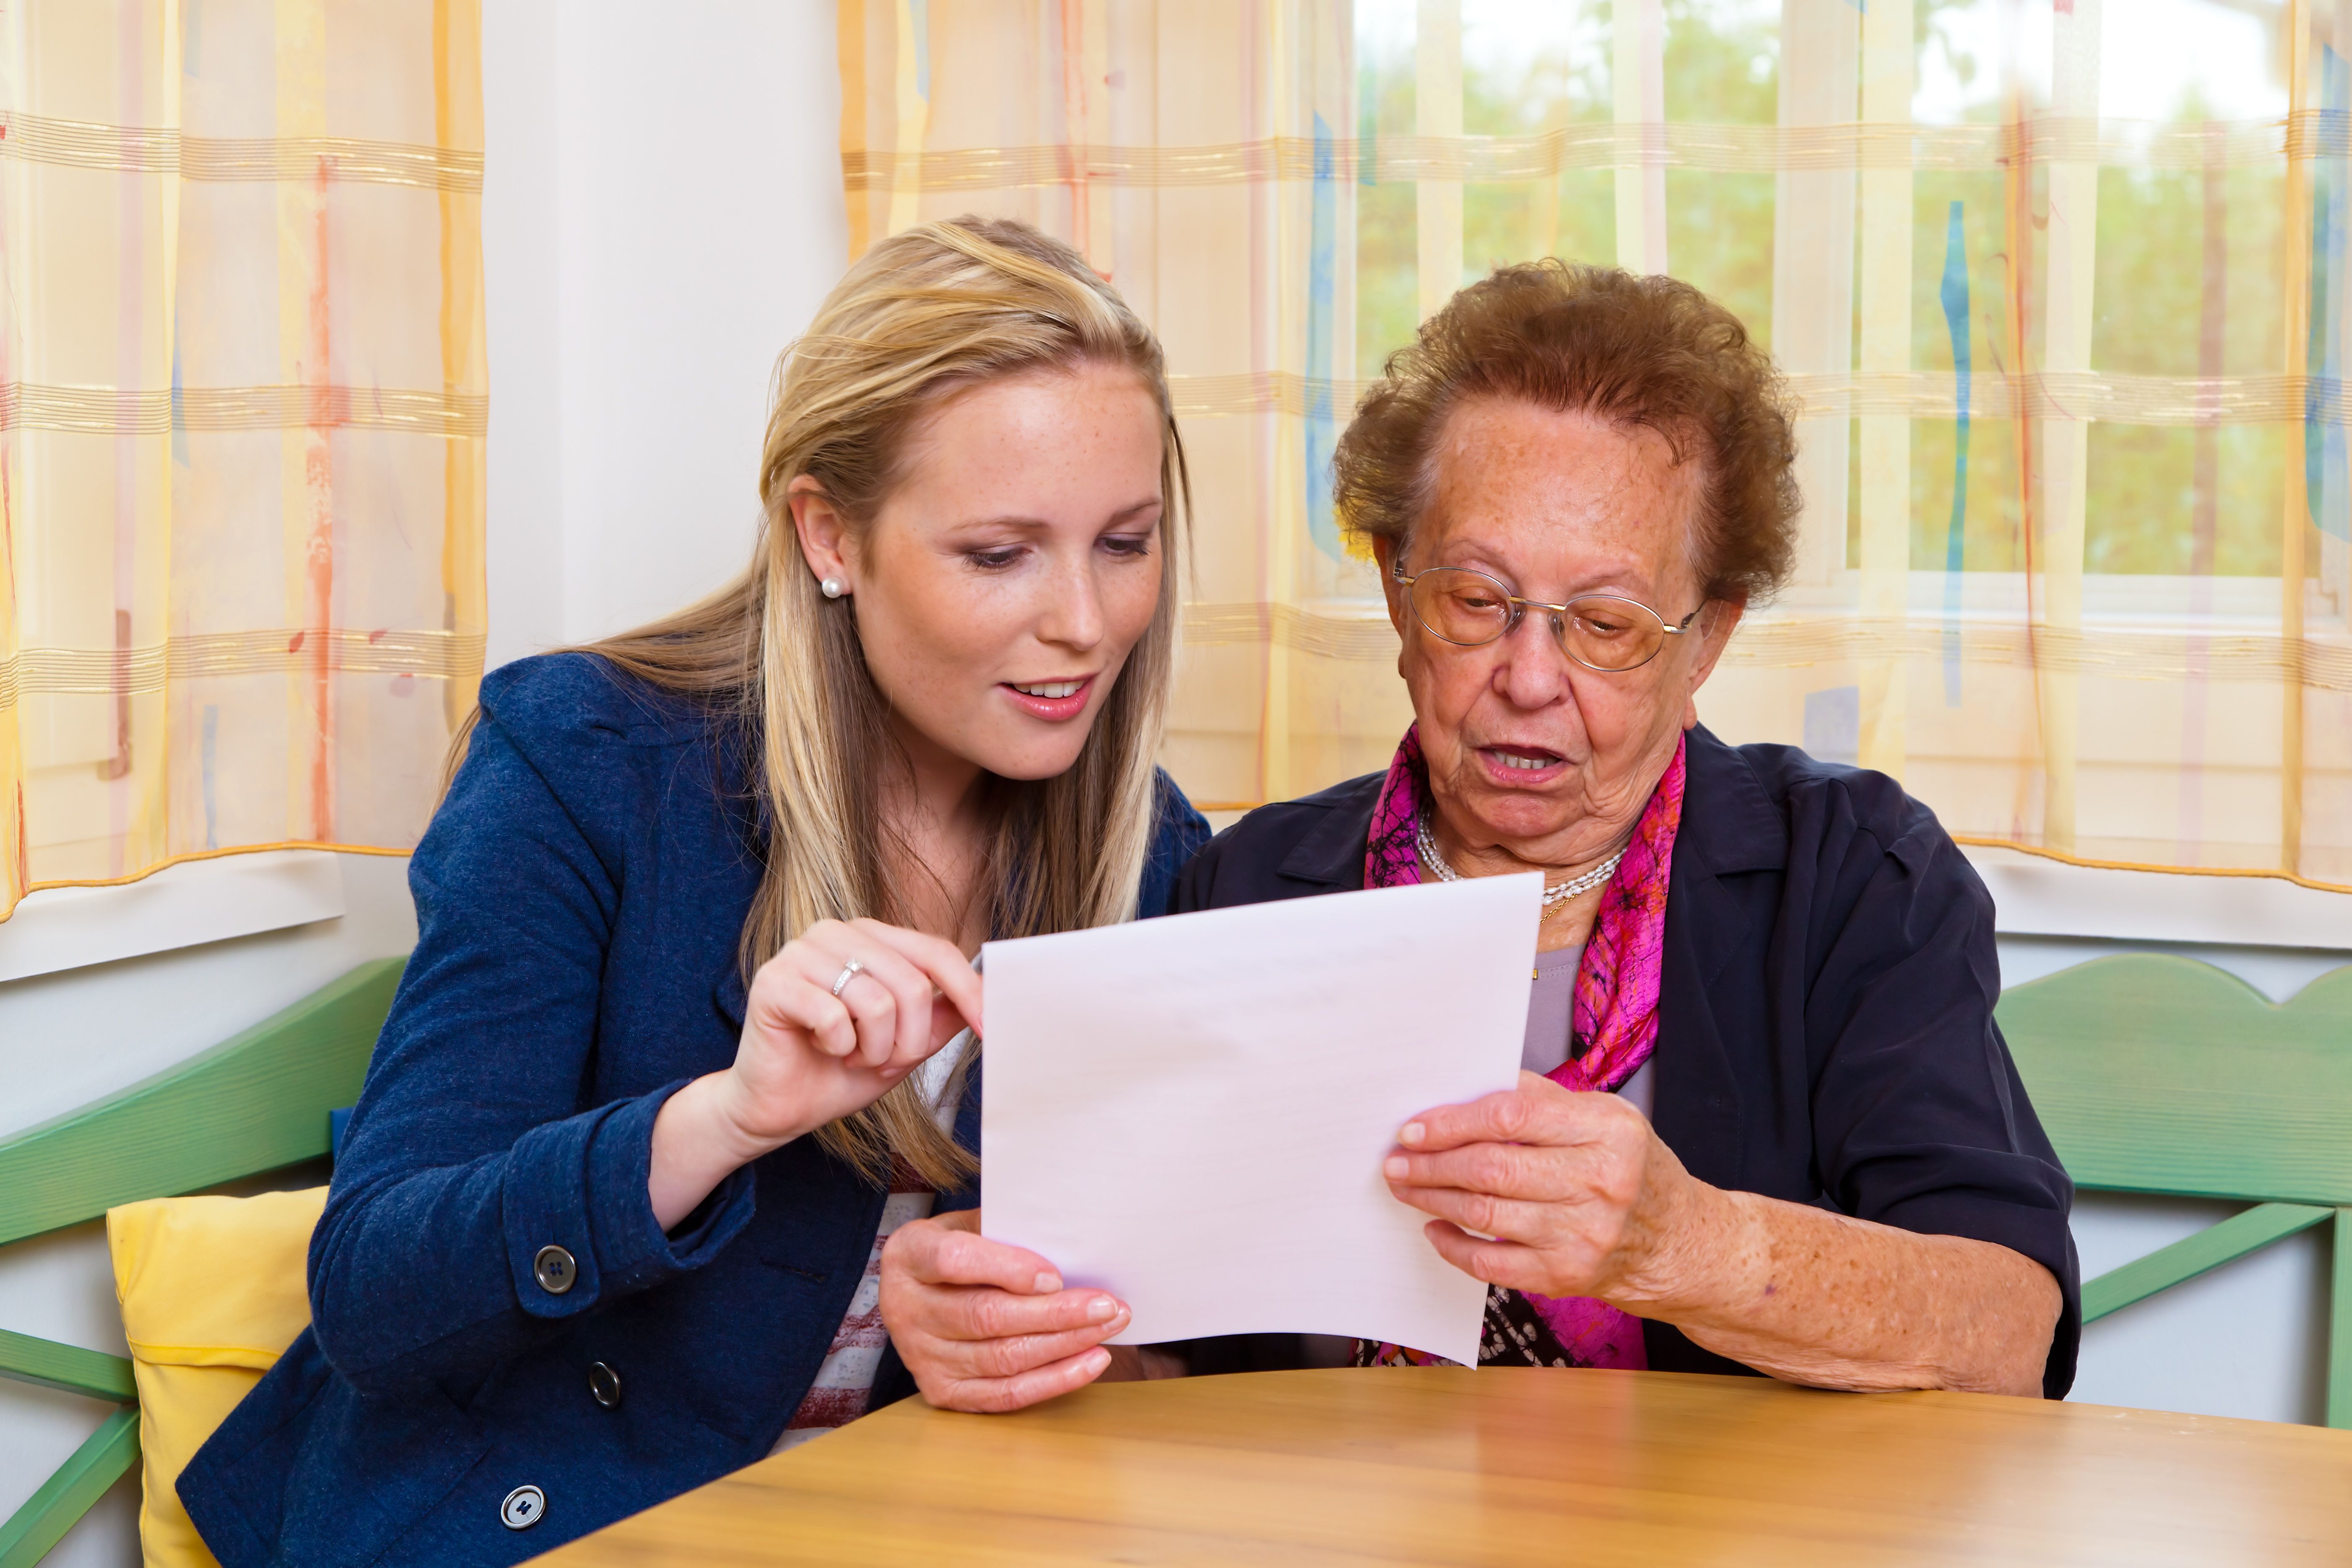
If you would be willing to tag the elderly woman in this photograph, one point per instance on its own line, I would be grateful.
(1768, 1123)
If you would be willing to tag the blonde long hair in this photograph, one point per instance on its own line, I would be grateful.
(921, 315)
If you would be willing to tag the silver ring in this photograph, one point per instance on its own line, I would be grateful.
(849, 971)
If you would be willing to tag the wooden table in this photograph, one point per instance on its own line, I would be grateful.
(1518, 1467)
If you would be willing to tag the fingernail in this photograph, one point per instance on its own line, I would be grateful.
(1395, 1167)
(1414, 1133)
(1047, 1284)
(1097, 1359)
(1100, 1308)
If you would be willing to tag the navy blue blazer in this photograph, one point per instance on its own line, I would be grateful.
(579, 899)
(1825, 1029)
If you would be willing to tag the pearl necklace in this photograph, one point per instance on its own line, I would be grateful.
(1553, 897)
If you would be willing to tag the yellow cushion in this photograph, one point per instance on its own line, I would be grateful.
(213, 1292)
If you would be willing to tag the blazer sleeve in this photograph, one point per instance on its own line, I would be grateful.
(471, 1150)
(1178, 831)
(1919, 1118)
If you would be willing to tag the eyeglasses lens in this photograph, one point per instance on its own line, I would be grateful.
(1465, 607)
(1471, 609)
(1610, 633)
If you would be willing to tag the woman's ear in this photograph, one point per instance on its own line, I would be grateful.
(1715, 624)
(1392, 560)
(824, 532)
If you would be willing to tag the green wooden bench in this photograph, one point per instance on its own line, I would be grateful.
(252, 1104)
(2162, 1074)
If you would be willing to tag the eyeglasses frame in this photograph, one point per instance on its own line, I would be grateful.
(1519, 607)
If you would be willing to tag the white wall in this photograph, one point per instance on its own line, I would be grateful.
(662, 213)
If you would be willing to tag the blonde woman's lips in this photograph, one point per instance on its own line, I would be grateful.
(1055, 701)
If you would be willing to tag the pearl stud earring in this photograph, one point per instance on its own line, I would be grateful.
(832, 588)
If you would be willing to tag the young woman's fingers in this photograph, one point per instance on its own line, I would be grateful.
(1008, 1356)
(829, 1023)
(875, 1006)
(912, 987)
(881, 992)
(890, 960)
(950, 1251)
(998, 1395)
(978, 1314)
(782, 1001)
(941, 962)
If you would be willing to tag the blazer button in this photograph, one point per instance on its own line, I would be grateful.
(604, 1385)
(524, 1507)
(555, 1269)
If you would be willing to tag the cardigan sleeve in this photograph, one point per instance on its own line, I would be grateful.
(1919, 1118)
(471, 1153)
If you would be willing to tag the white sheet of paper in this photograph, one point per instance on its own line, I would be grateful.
(1192, 1112)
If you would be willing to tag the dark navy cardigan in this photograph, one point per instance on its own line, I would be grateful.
(579, 898)
(1825, 1029)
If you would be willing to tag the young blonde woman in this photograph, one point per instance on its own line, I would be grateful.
(605, 1221)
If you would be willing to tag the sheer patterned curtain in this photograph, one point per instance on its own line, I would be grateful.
(2058, 286)
(242, 410)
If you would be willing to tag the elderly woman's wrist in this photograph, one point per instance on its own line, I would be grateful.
(1697, 1249)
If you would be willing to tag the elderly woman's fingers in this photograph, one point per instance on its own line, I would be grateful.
(1542, 1172)
(1605, 1174)
(1552, 1227)
(1538, 1112)
(997, 1395)
(1505, 1263)
(1509, 1218)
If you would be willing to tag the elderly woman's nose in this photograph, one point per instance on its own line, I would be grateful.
(1533, 668)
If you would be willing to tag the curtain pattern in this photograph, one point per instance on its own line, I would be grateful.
(242, 402)
(2066, 333)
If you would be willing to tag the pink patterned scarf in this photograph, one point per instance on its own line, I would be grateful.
(1616, 1013)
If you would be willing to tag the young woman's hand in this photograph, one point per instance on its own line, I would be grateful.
(987, 1326)
(808, 1056)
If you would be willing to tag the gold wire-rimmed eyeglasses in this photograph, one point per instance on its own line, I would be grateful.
(1606, 631)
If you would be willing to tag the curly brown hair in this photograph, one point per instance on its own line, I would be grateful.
(1637, 351)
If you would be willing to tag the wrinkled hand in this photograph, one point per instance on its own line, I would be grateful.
(807, 1058)
(1576, 1190)
(988, 1327)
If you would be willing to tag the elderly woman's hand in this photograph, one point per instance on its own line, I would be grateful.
(1579, 1195)
(986, 1326)
(1582, 1199)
